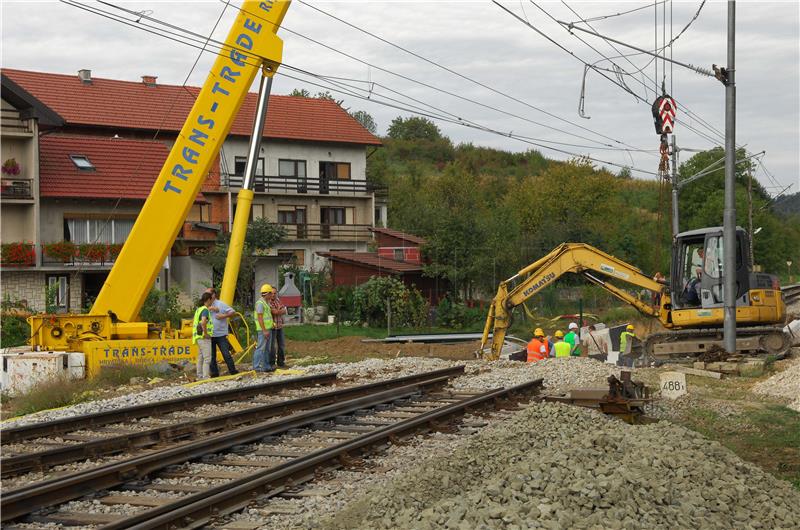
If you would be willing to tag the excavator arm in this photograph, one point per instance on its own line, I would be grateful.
(569, 257)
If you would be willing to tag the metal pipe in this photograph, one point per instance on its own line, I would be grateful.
(729, 213)
(244, 198)
(675, 223)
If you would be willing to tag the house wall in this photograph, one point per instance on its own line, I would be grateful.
(54, 210)
(313, 153)
(30, 286)
(191, 275)
(17, 223)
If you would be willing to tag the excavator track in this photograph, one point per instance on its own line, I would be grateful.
(692, 343)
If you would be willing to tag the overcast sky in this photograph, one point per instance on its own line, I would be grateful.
(482, 42)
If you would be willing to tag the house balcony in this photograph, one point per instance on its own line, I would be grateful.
(303, 186)
(328, 232)
(16, 188)
(23, 255)
(201, 231)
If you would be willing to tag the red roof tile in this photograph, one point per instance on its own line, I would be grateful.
(411, 238)
(372, 260)
(123, 168)
(132, 105)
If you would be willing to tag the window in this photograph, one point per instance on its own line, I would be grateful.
(399, 254)
(58, 288)
(256, 211)
(295, 217)
(82, 162)
(294, 169)
(333, 216)
(378, 219)
(109, 231)
(240, 164)
(334, 170)
(295, 257)
(200, 213)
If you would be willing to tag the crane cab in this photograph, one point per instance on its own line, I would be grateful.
(697, 281)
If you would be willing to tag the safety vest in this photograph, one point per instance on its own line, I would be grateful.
(267, 315)
(537, 350)
(196, 323)
(562, 348)
(572, 339)
(623, 340)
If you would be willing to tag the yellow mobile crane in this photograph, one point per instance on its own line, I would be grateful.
(110, 332)
(689, 304)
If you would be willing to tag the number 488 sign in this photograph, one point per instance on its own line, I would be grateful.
(673, 385)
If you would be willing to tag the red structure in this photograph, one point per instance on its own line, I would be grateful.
(398, 255)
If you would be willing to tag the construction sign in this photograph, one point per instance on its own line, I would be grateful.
(664, 109)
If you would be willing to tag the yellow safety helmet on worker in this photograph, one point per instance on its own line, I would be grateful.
(266, 288)
(559, 334)
(538, 332)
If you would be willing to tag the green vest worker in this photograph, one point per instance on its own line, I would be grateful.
(573, 340)
(625, 337)
(562, 348)
(202, 326)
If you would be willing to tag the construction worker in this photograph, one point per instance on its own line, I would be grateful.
(537, 347)
(573, 339)
(201, 335)
(561, 348)
(626, 336)
(264, 325)
(277, 341)
(220, 314)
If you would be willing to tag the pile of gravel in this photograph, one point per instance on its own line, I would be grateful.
(556, 466)
(558, 374)
(785, 384)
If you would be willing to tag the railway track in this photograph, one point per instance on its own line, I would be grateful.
(791, 293)
(195, 482)
(95, 444)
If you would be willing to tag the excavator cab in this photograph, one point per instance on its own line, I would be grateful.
(698, 269)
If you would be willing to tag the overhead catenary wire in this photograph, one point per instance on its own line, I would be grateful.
(461, 122)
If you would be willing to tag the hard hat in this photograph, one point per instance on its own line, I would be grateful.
(559, 334)
(573, 325)
(266, 288)
(629, 327)
(538, 333)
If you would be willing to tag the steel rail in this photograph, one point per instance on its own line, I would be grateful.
(42, 460)
(75, 423)
(27, 499)
(196, 510)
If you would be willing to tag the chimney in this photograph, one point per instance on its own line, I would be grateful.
(85, 76)
(149, 80)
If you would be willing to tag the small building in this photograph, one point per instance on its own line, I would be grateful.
(398, 254)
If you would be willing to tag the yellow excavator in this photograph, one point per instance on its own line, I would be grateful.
(689, 303)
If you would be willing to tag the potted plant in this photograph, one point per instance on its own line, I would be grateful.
(11, 167)
(93, 252)
(18, 254)
(113, 251)
(62, 251)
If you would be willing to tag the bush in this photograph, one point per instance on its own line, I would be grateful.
(341, 302)
(458, 315)
(370, 300)
(161, 306)
(14, 331)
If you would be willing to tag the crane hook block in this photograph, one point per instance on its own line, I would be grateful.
(664, 109)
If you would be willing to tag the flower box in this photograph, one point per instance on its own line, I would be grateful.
(93, 252)
(62, 251)
(19, 254)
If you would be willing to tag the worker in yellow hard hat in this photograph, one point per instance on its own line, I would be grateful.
(561, 347)
(626, 340)
(537, 347)
(264, 324)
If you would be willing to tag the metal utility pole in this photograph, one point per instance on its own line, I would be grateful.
(729, 213)
(675, 225)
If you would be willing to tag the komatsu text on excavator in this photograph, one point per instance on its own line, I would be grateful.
(689, 304)
(111, 333)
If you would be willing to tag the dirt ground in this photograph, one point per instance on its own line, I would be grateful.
(346, 349)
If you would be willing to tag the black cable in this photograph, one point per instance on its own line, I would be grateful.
(463, 123)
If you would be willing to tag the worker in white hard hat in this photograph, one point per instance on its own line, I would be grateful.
(574, 340)
(264, 324)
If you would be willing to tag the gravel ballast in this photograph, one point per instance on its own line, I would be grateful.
(785, 384)
(556, 466)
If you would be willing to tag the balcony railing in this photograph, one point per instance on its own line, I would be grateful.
(16, 188)
(312, 186)
(327, 232)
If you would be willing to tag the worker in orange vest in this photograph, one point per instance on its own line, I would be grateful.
(537, 347)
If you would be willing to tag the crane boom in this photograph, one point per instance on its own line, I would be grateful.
(251, 44)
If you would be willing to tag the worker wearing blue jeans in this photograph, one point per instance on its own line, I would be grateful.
(220, 314)
(264, 325)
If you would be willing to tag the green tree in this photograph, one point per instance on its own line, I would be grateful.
(364, 118)
(413, 128)
(300, 92)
